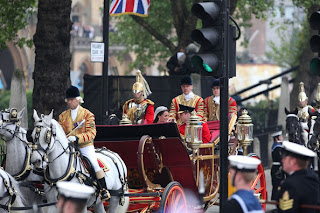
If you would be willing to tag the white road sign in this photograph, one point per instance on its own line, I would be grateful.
(97, 52)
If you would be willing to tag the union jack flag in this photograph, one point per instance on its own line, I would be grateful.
(131, 7)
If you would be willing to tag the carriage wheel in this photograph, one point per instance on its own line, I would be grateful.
(260, 188)
(173, 199)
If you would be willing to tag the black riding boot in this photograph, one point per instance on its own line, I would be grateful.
(104, 193)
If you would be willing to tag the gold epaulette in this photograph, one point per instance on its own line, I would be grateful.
(149, 101)
(126, 103)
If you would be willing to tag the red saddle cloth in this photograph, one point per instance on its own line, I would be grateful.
(214, 127)
(101, 164)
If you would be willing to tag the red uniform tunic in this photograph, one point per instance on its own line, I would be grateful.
(130, 108)
(212, 110)
(206, 135)
(196, 102)
(86, 133)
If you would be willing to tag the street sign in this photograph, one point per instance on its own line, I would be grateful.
(97, 52)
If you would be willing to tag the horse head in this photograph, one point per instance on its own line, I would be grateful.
(293, 127)
(314, 141)
(10, 120)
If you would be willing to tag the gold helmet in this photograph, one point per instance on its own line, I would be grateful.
(141, 85)
(302, 95)
(317, 96)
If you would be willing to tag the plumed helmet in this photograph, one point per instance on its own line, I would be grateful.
(72, 92)
(141, 85)
(186, 80)
(317, 96)
(302, 95)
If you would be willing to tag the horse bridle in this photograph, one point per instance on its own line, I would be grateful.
(51, 132)
(292, 124)
(14, 120)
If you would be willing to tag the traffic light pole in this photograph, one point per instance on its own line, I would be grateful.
(105, 65)
(224, 112)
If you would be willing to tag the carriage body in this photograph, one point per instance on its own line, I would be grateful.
(156, 156)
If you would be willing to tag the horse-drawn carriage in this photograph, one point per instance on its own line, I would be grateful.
(162, 175)
(158, 162)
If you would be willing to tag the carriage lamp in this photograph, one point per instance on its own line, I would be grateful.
(245, 131)
(125, 120)
(194, 131)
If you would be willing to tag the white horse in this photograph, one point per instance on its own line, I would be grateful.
(19, 157)
(10, 194)
(64, 164)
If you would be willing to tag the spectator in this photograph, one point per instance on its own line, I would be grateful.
(176, 63)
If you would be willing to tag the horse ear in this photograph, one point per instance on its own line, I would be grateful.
(286, 111)
(20, 114)
(51, 114)
(35, 116)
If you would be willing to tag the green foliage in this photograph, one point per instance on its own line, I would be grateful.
(134, 37)
(263, 111)
(149, 49)
(5, 100)
(288, 53)
(14, 17)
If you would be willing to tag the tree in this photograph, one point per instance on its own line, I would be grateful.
(52, 63)
(168, 28)
(14, 17)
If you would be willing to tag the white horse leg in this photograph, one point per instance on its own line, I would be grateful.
(99, 208)
(123, 209)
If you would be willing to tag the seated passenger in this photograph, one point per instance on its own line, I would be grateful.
(184, 115)
(161, 115)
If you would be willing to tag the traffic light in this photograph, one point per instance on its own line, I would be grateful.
(210, 58)
(315, 43)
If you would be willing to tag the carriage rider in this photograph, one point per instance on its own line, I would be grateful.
(242, 173)
(277, 175)
(184, 115)
(84, 135)
(139, 109)
(302, 184)
(212, 103)
(187, 98)
(303, 111)
(73, 197)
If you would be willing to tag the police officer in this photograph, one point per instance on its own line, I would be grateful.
(301, 185)
(73, 197)
(277, 175)
(242, 172)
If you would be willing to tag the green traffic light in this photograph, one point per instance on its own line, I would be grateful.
(315, 66)
(207, 67)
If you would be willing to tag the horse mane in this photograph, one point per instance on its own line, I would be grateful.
(58, 127)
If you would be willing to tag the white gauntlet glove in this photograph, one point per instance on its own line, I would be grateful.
(73, 139)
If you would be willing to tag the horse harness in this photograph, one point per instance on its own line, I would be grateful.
(72, 164)
(13, 119)
(11, 192)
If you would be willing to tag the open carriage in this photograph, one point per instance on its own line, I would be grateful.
(162, 175)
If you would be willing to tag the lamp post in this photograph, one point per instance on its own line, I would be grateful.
(194, 132)
(125, 120)
(245, 131)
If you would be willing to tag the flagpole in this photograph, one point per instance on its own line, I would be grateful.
(105, 77)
